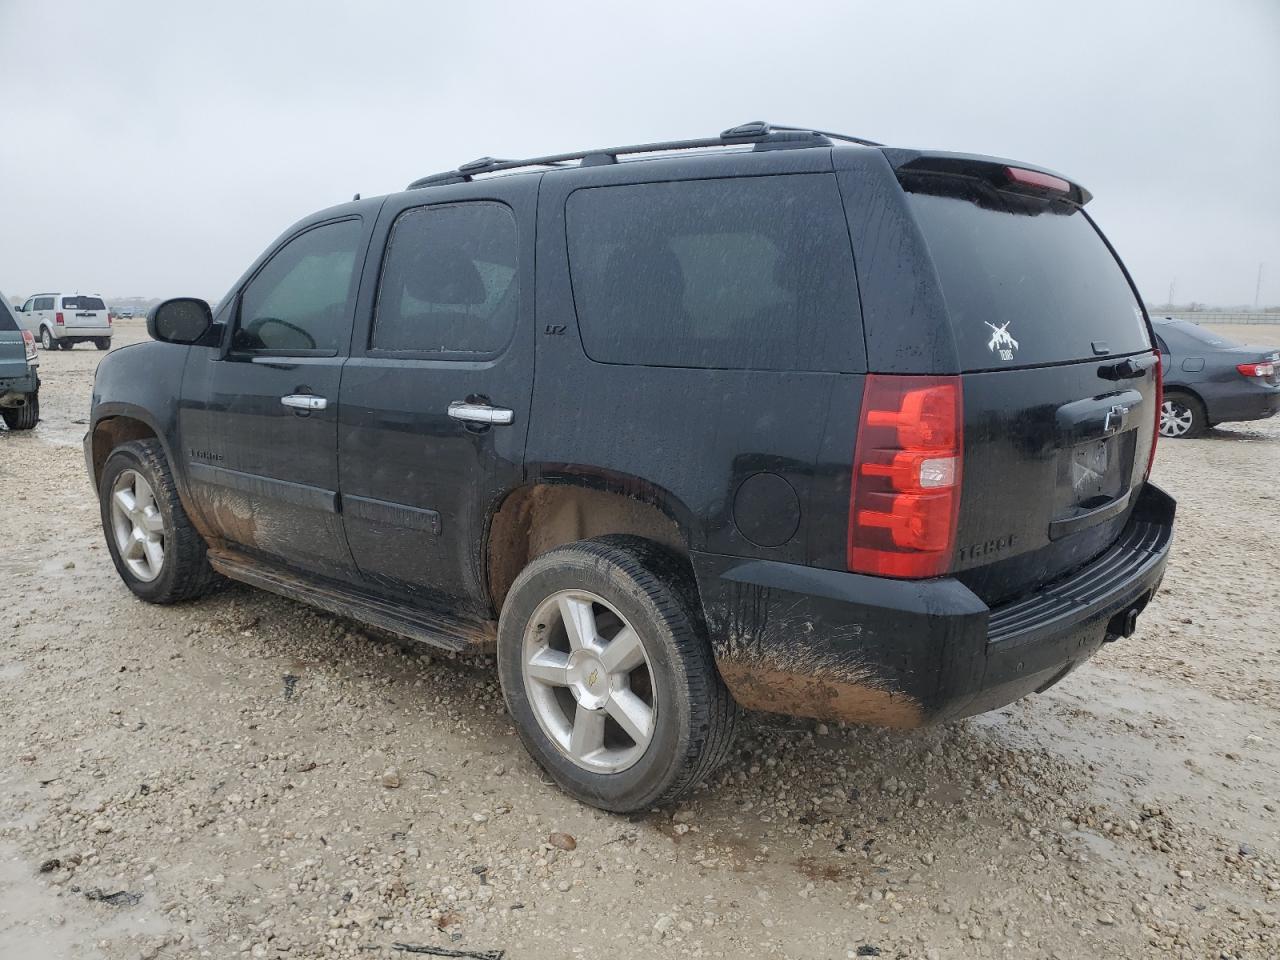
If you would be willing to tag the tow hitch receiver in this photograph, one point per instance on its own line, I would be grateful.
(1124, 623)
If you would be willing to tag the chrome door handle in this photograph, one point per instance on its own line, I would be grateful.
(304, 401)
(480, 413)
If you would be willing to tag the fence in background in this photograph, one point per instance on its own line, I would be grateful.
(1218, 316)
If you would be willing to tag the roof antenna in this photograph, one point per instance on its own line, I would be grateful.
(355, 198)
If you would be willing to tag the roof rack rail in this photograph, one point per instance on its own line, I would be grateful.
(763, 135)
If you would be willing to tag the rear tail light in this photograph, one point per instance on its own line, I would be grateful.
(57, 317)
(1155, 433)
(905, 498)
(1264, 368)
(29, 342)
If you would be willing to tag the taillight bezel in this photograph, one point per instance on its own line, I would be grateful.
(1155, 431)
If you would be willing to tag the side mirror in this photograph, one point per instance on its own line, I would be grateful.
(182, 320)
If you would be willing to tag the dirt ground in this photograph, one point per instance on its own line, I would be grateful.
(209, 780)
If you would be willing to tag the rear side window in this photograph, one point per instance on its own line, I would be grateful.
(7, 321)
(742, 273)
(83, 303)
(448, 281)
(44, 303)
(1027, 282)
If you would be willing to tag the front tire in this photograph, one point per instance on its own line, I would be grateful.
(156, 550)
(24, 417)
(1182, 416)
(608, 674)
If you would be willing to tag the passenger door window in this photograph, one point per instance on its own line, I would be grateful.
(44, 303)
(301, 302)
(448, 284)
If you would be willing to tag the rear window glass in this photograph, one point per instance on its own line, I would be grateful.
(83, 303)
(7, 321)
(1198, 333)
(743, 273)
(1027, 282)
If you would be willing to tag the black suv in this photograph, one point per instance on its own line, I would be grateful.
(776, 419)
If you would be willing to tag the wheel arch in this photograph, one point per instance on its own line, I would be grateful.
(567, 506)
(1186, 391)
(111, 431)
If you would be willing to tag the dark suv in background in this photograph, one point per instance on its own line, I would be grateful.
(779, 419)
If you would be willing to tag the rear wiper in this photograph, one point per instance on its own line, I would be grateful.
(1130, 368)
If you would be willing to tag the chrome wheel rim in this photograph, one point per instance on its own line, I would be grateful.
(137, 525)
(1175, 419)
(589, 681)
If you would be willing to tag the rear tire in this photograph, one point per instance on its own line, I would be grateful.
(666, 687)
(183, 571)
(1182, 416)
(102, 343)
(46, 339)
(65, 344)
(24, 417)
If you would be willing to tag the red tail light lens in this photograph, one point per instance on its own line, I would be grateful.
(1264, 369)
(1155, 433)
(1034, 178)
(29, 342)
(905, 498)
(57, 317)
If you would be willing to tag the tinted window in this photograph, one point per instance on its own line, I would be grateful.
(44, 303)
(7, 321)
(448, 281)
(83, 303)
(302, 300)
(1027, 282)
(751, 272)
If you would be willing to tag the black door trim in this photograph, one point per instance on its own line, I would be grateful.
(297, 494)
(399, 515)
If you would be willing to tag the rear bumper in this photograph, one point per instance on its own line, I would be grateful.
(23, 384)
(1255, 402)
(822, 643)
(88, 333)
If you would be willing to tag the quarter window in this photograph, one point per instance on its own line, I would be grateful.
(302, 301)
(745, 273)
(448, 281)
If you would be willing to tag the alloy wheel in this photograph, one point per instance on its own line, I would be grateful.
(589, 681)
(138, 525)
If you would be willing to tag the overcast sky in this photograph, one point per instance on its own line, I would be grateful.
(154, 149)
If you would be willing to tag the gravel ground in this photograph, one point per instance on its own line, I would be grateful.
(244, 776)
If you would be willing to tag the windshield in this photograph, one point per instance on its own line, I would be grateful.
(1027, 282)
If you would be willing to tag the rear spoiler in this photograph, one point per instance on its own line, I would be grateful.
(998, 173)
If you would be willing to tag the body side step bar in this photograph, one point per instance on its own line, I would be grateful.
(430, 627)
